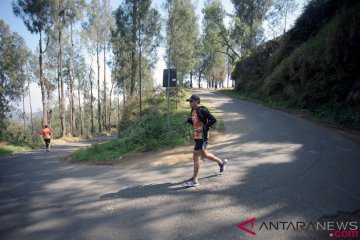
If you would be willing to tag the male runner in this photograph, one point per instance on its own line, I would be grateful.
(202, 120)
(46, 132)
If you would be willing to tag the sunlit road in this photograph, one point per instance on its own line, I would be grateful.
(281, 168)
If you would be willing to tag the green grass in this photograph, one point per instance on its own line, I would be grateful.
(335, 115)
(151, 132)
(235, 94)
(268, 102)
(7, 149)
(348, 117)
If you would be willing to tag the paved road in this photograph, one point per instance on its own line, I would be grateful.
(282, 168)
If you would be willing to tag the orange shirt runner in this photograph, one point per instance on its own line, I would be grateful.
(46, 132)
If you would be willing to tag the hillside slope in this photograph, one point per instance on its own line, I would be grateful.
(314, 66)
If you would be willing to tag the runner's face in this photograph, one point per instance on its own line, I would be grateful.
(193, 103)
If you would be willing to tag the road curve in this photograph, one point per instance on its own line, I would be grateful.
(282, 168)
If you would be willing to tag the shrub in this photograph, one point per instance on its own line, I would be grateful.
(150, 132)
(314, 65)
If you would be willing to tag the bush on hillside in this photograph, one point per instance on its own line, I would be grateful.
(314, 65)
(249, 72)
(322, 70)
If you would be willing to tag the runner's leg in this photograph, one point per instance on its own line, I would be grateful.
(196, 158)
(211, 157)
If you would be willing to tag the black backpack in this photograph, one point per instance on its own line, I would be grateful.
(201, 113)
(205, 116)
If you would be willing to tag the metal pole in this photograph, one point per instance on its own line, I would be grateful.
(168, 82)
(168, 100)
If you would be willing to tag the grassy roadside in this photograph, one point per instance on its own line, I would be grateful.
(150, 133)
(339, 118)
(8, 149)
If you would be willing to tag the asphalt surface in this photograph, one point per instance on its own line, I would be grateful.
(282, 168)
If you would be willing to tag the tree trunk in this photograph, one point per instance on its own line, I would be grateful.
(199, 79)
(98, 83)
(124, 97)
(191, 75)
(80, 112)
(72, 80)
(58, 83)
(105, 100)
(110, 110)
(118, 112)
(23, 102)
(72, 104)
(285, 17)
(91, 102)
(62, 107)
(31, 117)
(140, 55)
(133, 50)
(228, 68)
(49, 117)
(252, 19)
(42, 83)
(86, 121)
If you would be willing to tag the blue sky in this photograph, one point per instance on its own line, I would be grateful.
(16, 24)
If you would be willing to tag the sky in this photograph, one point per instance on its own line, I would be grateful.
(32, 40)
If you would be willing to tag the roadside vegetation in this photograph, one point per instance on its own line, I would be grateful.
(7, 149)
(150, 132)
(16, 140)
(313, 67)
(336, 117)
(18, 145)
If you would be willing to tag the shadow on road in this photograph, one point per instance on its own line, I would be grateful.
(145, 191)
(280, 169)
(150, 190)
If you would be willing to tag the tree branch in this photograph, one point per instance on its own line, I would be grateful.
(226, 40)
(47, 42)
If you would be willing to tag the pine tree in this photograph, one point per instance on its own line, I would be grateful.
(36, 15)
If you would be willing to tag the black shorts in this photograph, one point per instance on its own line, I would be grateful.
(200, 145)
